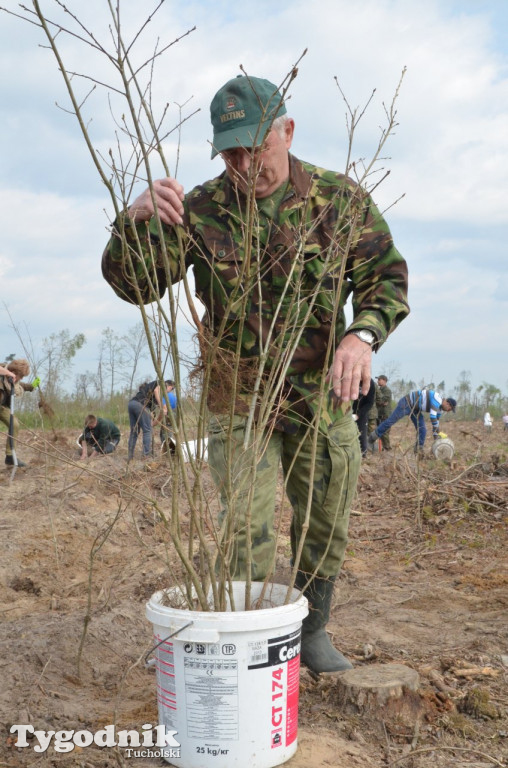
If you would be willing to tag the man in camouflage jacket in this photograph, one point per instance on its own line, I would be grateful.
(277, 246)
(384, 407)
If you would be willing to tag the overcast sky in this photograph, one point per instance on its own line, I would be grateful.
(448, 157)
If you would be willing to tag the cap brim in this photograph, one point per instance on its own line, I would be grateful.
(247, 136)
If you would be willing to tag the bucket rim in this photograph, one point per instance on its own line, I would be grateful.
(262, 618)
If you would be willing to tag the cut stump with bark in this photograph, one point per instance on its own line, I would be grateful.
(381, 690)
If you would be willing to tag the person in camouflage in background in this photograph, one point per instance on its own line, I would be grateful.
(384, 408)
(372, 419)
(276, 298)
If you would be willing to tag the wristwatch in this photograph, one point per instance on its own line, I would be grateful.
(364, 335)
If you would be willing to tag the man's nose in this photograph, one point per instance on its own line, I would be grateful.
(243, 160)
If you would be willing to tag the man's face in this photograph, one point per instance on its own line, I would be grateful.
(381, 382)
(445, 405)
(270, 162)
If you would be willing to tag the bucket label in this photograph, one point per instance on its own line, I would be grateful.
(205, 649)
(292, 699)
(278, 650)
(281, 655)
(211, 697)
(166, 688)
(257, 653)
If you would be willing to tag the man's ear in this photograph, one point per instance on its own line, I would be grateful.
(289, 129)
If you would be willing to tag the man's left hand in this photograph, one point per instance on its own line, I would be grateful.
(351, 368)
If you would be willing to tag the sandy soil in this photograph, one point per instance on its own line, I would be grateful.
(425, 584)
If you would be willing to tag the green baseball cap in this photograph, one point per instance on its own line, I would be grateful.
(242, 112)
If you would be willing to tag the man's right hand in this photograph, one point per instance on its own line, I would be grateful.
(168, 194)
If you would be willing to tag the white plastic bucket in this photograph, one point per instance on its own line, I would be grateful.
(189, 448)
(443, 448)
(228, 683)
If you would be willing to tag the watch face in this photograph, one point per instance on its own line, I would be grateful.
(367, 336)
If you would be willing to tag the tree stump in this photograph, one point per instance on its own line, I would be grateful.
(382, 691)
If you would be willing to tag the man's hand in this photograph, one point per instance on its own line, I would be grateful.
(351, 368)
(168, 194)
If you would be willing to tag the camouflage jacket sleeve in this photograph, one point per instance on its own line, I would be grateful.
(377, 275)
(140, 260)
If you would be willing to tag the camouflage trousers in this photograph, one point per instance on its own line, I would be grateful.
(5, 416)
(385, 439)
(320, 484)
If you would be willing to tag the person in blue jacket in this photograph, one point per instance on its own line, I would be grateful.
(170, 402)
(414, 405)
(148, 404)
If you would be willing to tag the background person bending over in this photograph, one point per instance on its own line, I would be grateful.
(166, 432)
(303, 240)
(100, 436)
(146, 405)
(414, 405)
(11, 375)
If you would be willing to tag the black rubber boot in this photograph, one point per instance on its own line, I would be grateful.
(372, 438)
(10, 462)
(318, 653)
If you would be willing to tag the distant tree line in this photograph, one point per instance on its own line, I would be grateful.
(119, 372)
(118, 369)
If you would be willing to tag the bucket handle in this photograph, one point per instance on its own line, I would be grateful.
(151, 662)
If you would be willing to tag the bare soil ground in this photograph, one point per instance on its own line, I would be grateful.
(424, 584)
